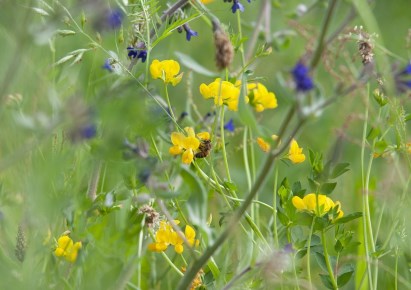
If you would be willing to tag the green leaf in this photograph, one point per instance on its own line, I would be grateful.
(283, 218)
(347, 218)
(321, 261)
(380, 146)
(189, 62)
(338, 247)
(339, 170)
(313, 184)
(327, 188)
(373, 133)
(304, 219)
(344, 274)
(326, 281)
(230, 185)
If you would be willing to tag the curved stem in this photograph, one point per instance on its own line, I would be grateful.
(327, 260)
(365, 205)
(169, 104)
(320, 45)
(309, 252)
(227, 169)
(240, 36)
(275, 229)
(245, 157)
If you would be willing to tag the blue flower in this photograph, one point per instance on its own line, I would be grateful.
(302, 78)
(107, 65)
(407, 69)
(135, 53)
(189, 32)
(229, 126)
(237, 6)
(88, 131)
(407, 84)
(132, 52)
(115, 18)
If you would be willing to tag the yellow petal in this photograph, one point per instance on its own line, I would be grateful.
(189, 131)
(175, 150)
(188, 156)
(177, 138)
(297, 158)
(205, 91)
(155, 69)
(189, 233)
(176, 80)
(310, 201)
(59, 252)
(263, 145)
(179, 248)
(298, 203)
(204, 135)
(191, 143)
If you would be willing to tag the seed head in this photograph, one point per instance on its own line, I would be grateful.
(224, 49)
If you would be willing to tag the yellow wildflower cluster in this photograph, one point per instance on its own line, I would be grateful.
(187, 144)
(166, 236)
(259, 97)
(223, 92)
(228, 94)
(309, 203)
(167, 70)
(67, 248)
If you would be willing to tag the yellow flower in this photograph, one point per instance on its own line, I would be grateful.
(309, 203)
(206, 1)
(296, 154)
(259, 97)
(167, 70)
(67, 248)
(265, 146)
(186, 145)
(223, 92)
(166, 236)
(197, 280)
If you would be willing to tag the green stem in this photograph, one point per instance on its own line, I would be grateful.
(169, 104)
(139, 255)
(227, 169)
(245, 157)
(396, 270)
(365, 200)
(309, 251)
(320, 45)
(240, 36)
(275, 229)
(327, 260)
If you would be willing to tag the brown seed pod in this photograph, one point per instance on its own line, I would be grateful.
(224, 49)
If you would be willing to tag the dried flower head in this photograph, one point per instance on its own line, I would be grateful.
(365, 46)
(224, 49)
(151, 215)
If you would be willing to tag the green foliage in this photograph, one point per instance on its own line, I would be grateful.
(94, 150)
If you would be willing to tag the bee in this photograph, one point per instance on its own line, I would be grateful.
(204, 148)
